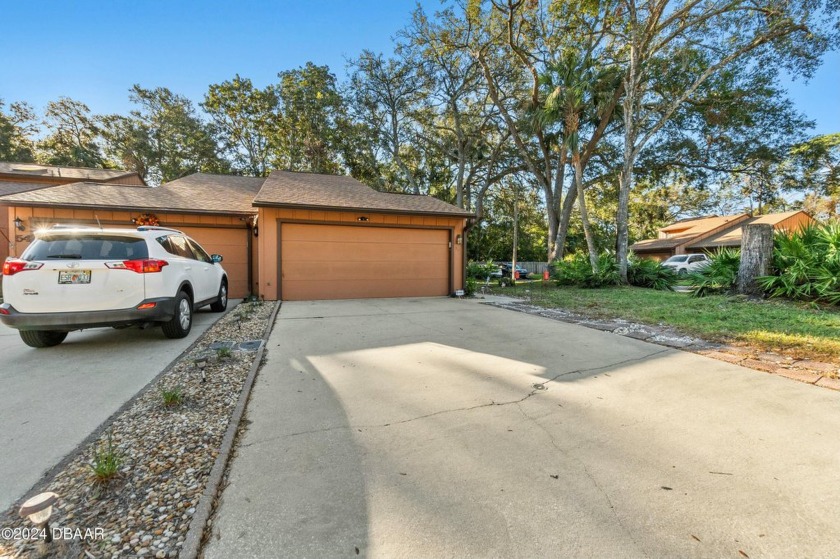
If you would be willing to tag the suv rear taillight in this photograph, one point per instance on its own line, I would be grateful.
(141, 266)
(12, 266)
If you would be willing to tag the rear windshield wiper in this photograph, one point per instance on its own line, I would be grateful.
(67, 256)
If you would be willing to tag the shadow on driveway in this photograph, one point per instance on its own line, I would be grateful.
(442, 428)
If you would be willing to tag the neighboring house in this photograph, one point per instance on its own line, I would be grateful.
(24, 177)
(710, 233)
(291, 236)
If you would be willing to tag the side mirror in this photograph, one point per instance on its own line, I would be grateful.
(216, 258)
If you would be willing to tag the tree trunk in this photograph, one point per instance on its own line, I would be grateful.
(756, 255)
(515, 236)
(584, 216)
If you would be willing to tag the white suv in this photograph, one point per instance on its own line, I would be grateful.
(682, 264)
(74, 278)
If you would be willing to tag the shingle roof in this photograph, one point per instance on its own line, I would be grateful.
(13, 187)
(54, 172)
(311, 190)
(732, 236)
(198, 193)
(655, 244)
(683, 232)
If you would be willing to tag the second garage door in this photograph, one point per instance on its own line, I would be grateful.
(356, 262)
(232, 244)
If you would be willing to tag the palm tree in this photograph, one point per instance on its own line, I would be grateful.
(577, 89)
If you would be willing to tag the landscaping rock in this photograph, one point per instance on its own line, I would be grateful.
(166, 452)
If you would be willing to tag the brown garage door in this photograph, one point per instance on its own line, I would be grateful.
(232, 244)
(356, 262)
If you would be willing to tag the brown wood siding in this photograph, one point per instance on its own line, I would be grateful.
(130, 179)
(353, 262)
(225, 235)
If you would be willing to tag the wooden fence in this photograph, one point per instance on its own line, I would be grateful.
(534, 267)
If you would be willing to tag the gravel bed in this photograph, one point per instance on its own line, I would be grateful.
(166, 454)
(826, 375)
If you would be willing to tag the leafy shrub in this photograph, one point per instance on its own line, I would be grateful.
(650, 273)
(572, 270)
(575, 269)
(806, 264)
(719, 276)
(480, 270)
(471, 286)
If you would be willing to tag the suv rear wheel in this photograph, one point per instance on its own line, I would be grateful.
(42, 338)
(221, 303)
(181, 323)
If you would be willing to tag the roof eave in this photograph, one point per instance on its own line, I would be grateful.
(4, 201)
(258, 204)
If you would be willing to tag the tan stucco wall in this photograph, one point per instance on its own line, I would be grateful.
(225, 235)
(268, 249)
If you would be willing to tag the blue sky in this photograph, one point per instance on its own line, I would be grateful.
(95, 51)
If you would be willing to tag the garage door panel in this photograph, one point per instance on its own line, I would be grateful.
(353, 270)
(344, 262)
(364, 252)
(360, 234)
(361, 289)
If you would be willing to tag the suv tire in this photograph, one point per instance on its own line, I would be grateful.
(42, 338)
(181, 323)
(221, 303)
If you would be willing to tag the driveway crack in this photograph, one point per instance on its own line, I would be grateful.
(538, 388)
(586, 471)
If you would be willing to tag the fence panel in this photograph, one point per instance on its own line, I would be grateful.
(534, 267)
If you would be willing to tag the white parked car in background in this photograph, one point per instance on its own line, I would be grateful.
(682, 264)
(77, 278)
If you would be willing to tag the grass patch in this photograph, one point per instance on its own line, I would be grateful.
(106, 461)
(795, 329)
(172, 396)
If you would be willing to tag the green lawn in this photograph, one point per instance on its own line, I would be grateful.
(790, 328)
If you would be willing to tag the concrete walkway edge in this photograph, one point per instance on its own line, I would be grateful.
(204, 508)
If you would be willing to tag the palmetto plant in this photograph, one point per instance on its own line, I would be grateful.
(719, 276)
(806, 264)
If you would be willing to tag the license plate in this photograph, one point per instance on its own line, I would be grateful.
(74, 277)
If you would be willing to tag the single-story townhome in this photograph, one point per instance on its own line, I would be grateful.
(707, 234)
(290, 236)
(24, 177)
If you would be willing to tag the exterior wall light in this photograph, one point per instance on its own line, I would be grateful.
(19, 224)
(459, 239)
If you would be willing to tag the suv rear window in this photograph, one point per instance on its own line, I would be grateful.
(87, 247)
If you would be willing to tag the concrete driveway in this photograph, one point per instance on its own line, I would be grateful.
(51, 399)
(446, 428)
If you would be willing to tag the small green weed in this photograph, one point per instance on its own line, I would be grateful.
(224, 353)
(106, 461)
(172, 396)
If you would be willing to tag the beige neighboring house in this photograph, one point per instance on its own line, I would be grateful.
(24, 177)
(707, 234)
(289, 236)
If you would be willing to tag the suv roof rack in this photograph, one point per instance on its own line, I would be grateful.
(156, 228)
